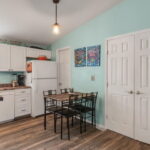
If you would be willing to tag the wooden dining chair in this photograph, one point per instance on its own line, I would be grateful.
(50, 106)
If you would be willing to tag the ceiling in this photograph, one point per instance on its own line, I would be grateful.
(31, 21)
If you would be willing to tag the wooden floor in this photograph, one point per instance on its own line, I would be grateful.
(28, 134)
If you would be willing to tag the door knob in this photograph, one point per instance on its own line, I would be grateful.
(130, 92)
(138, 93)
(60, 84)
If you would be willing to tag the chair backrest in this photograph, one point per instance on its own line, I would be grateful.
(90, 99)
(48, 102)
(66, 90)
(73, 100)
(49, 92)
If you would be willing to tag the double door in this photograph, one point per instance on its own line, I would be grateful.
(128, 105)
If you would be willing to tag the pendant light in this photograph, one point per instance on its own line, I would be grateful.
(56, 26)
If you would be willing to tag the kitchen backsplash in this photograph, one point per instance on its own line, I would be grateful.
(7, 77)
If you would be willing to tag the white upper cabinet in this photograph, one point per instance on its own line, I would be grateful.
(4, 57)
(13, 58)
(46, 53)
(34, 53)
(18, 58)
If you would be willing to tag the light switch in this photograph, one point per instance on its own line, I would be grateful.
(93, 78)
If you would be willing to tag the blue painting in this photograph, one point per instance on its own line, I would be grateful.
(93, 55)
(80, 57)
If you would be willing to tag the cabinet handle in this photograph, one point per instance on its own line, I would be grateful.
(130, 92)
(23, 110)
(23, 100)
(138, 93)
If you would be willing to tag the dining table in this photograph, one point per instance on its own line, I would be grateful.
(64, 97)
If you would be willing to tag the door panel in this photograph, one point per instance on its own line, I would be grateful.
(64, 68)
(18, 58)
(121, 85)
(142, 87)
(7, 108)
(4, 57)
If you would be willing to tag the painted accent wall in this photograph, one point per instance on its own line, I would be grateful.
(127, 16)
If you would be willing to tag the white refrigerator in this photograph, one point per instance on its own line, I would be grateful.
(42, 78)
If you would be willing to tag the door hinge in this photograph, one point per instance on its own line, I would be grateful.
(106, 116)
(107, 84)
(107, 52)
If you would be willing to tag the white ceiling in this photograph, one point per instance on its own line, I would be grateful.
(31, 20)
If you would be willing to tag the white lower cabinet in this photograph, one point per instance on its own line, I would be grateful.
(6, 106)
(22, 102)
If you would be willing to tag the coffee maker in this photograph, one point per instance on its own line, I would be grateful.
(21, 80)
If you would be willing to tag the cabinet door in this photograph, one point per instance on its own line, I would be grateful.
(7, 108)
(18, 58)
(32, 53)
(4, 57)
(46, 53)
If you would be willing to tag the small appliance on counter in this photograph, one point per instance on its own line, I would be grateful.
(14, 83)
(21, 80)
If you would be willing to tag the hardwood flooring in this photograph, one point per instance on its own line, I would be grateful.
(29, 134)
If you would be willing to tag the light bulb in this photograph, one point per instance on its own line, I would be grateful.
(56, 28)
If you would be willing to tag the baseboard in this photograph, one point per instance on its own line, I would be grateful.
(98, 126)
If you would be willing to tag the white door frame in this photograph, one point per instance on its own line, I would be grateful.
(106, 73)
(57, 59)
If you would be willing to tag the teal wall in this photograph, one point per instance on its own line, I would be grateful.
(7, 77)
(127, 16)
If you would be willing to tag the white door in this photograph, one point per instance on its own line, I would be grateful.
(18, 58)
(4, 57)
(64, 68)
(142, 87)
(121, 85)
(6, 107)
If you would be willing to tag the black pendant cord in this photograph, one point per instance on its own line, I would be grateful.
(56, 13)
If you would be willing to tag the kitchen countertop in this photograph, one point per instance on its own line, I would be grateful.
(14, 88)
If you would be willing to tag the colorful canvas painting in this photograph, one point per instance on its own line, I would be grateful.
(93, 55)
(80, 57)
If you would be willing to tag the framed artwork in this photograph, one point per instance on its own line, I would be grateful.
(80, 57)
(93, 55)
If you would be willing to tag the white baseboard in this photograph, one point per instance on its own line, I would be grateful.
(98, 126)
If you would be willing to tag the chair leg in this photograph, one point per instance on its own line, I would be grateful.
(81, 120)
(72, 121)
(85, 122)
(61, 127)
(55, 119)
(45, 120)
(92, 118)
(68, 128)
